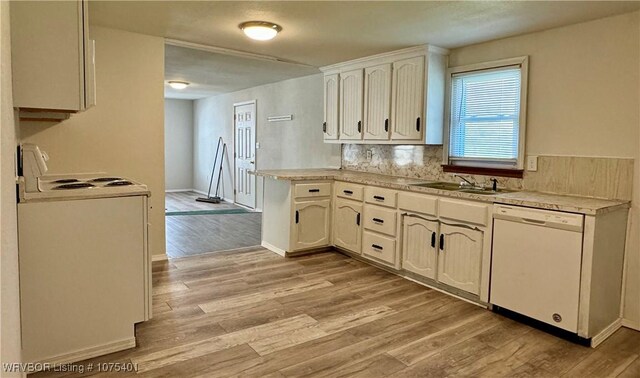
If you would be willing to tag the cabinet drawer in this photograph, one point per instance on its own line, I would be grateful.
(319, 189)
(348, 190)
(379, 247)
(463, 211)
(380, 196)
(379, 219)
(419, 203)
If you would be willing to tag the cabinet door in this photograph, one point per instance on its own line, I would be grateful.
(459, 257)
(377, 102)
(351, 105)
(408, 99)
(420, 246)
(311, 224)
(330, 125)
(347, 225)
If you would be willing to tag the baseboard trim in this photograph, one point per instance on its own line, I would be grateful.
(274, 249)
(605, 333)
(631, 324)
(83, 354)
(178, 190)
(161, 257)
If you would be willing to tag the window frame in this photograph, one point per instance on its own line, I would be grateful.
(497, 166)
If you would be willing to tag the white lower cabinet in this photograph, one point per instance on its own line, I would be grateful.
(459, 258)
(378, 247)
(420, 246)
(347, 229)
(311, 224)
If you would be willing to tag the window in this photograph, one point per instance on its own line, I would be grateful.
(487, 115)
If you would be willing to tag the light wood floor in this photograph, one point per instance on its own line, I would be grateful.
(186, 201)
(188, 235)
(256, 314)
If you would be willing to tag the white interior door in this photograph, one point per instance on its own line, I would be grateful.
(245, 153)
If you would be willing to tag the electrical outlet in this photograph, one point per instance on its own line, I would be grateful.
(369, 154)
(532, 163)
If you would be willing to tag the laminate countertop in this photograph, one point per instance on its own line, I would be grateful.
(549, 201)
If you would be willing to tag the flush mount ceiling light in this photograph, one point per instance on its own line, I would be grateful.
(178, 84)
(260, 30)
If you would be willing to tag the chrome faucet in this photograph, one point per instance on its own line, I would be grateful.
(471, 183)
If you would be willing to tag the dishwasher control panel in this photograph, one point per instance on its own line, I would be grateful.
(547, 218)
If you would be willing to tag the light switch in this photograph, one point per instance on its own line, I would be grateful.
(532, 163)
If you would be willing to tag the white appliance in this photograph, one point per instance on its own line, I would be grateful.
(536, 262)
(85, 269)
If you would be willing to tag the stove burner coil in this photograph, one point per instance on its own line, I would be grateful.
(65, 181)
(77, 185)
(119, 183)
(106, 179)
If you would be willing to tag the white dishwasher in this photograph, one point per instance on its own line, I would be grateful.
(536, 263)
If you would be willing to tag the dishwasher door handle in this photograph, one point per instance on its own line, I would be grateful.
(534, 221)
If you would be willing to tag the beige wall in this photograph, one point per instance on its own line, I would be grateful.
(9, 294)
(178, 144)
(124, 133)
(290, 144)
(583, 100)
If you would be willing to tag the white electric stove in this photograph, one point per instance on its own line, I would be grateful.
(85, 267)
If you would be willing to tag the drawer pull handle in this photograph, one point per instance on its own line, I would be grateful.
(314, 190)
(375, 246)
(379, 198)
(358, 219)
(297, 216)
(349, 192)
(442, 242)
(433, 240)
(378, 220)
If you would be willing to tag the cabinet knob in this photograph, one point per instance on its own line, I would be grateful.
(324, 127)
(442, 242)
(358, 219)
(359, 126)
(297, 217)
(386, 125)
(418, 124)
(433, 240)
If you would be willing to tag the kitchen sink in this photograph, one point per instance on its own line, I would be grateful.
(440, 185)
(457, 188)
(485, 191)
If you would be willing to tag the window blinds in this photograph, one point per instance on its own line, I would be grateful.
(485, 113)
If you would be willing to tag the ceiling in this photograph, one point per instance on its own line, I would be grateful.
(211, 74)
(324, 32)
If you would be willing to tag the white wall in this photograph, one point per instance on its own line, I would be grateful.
(178, 144)
(124, 133)
(291, 144)
(9, 294)
(583, 100)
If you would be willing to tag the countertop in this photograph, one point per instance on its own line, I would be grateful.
(573, 204)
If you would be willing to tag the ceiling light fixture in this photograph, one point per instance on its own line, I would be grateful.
(260, 30)
(178, 84)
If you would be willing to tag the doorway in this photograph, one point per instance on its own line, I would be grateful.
(245, 153)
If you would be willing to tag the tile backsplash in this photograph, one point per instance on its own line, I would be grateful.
(586, 176)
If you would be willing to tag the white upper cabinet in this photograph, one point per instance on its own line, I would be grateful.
(377, 102)
(408, 93)
(391, 98)
(351, 105)
(331, 104)
(52, 58)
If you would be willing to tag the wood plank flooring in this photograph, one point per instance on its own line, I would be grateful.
(186, 201)
(252, 313)
(189, 235)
